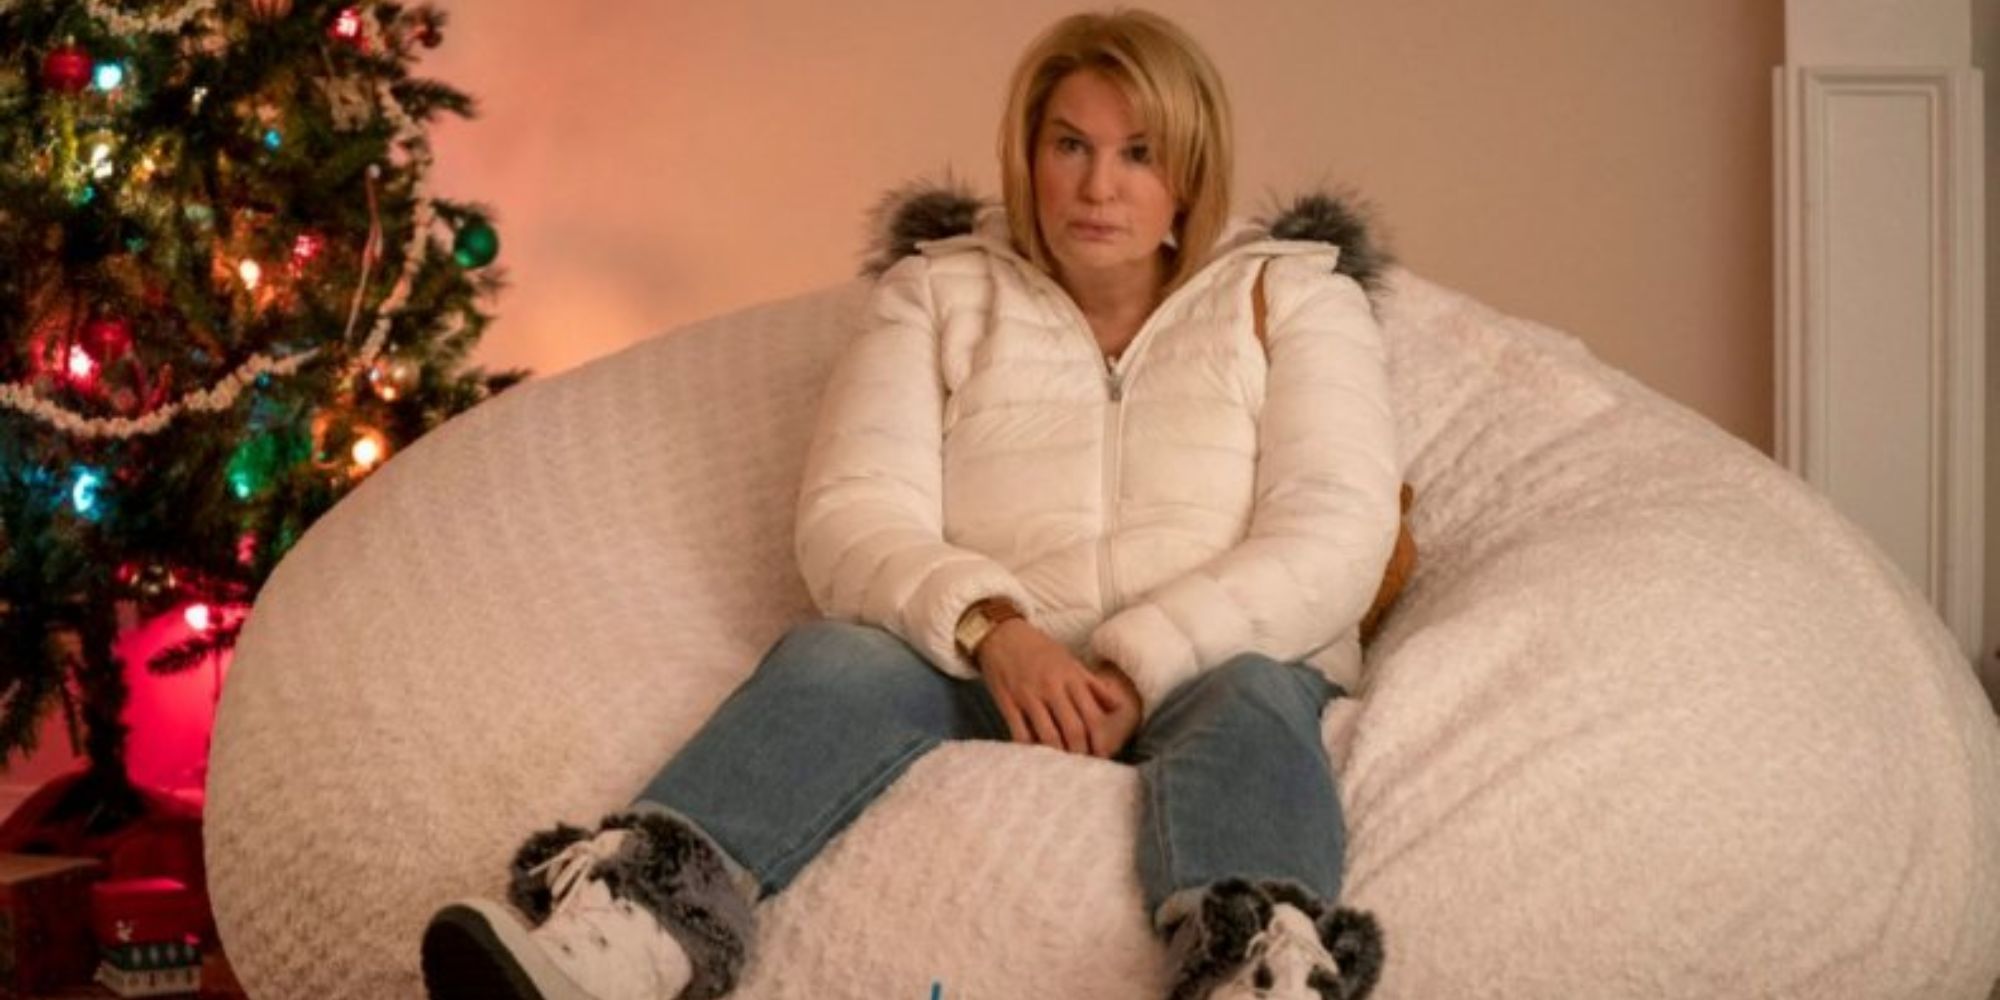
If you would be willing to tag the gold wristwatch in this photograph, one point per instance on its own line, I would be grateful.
(979, 621)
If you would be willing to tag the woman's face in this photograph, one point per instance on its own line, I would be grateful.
(1100, 195)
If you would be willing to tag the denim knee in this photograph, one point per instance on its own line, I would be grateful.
(860, 668)
(838, 640)
(1255, 679)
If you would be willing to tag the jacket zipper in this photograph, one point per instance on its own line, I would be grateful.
(1118, 376)
(1107, 577)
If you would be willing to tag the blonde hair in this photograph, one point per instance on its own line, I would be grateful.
(1175, 91)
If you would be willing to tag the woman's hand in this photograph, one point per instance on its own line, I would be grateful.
(1049, 697)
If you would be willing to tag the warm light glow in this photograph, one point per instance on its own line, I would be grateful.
(81, 366)
(100, 161)
(199, 617)
(370, 448)
(251, 273)
(347, 24)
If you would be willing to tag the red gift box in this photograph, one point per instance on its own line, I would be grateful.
(44, 926)
(146, 911)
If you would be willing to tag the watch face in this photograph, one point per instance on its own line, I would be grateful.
(972, 628)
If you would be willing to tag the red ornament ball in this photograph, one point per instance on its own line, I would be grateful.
(67, 69)
(107, 338)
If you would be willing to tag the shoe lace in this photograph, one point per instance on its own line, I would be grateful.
(1277, 939)
(590, 930)
(568, 869)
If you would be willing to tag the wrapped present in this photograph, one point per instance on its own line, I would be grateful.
(44, 923)
(153, 969)
(143, 910)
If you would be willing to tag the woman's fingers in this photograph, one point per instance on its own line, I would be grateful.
(1097, 721)
(1075, 733)
(1017, 727)
(1108, 694)
(1047, 733)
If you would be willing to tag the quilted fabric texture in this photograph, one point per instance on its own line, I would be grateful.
(1650, 721)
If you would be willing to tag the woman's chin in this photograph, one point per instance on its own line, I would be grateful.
(1097, 258)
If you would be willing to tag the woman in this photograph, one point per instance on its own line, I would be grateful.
(1093, 478)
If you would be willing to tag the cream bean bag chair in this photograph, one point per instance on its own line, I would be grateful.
(1651, 721)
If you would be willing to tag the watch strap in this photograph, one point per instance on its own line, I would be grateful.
(979, 620)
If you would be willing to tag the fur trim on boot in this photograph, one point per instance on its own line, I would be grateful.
(674, 870)
(1209, 933)
(1209, 943)
(527, 889)
(1355, 941)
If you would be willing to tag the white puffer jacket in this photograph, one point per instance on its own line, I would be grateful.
(1205, 496)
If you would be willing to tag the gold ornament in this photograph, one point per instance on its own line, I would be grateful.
(393, 377)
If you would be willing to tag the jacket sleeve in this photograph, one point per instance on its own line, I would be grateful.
(869, 535)
(1325, 510)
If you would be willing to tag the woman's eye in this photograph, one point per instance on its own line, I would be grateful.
(1139, 154)
(1069, 144)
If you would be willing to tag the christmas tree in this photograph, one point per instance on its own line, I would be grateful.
(226, 296)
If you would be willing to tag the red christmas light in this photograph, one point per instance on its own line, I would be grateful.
(305, 250)
(347, 24)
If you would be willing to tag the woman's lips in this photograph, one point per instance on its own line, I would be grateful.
(1093, 230)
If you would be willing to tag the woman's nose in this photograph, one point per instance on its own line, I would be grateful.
(1098, 182)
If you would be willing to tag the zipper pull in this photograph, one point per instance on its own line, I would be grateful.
(1115, 384)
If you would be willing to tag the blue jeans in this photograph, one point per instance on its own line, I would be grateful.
(1236, 781)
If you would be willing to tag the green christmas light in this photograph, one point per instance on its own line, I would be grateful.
(258, 462)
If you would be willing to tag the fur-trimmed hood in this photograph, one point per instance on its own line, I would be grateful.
(926, 210)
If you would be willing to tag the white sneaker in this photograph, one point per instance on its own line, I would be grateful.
(593, 946)
(1285, 961)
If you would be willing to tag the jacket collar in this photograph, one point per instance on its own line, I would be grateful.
(926, 211)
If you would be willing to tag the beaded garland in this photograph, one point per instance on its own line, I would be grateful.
(23, 397)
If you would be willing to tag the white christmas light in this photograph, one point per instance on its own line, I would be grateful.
(81, 365)
(251, 274)
(368, 451)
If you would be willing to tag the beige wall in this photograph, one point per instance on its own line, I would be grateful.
(1986, 56)
(1603, 167)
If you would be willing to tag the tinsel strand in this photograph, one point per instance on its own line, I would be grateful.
(132, 24)
(22, 396)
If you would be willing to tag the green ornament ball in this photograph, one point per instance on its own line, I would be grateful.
(476, 245)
